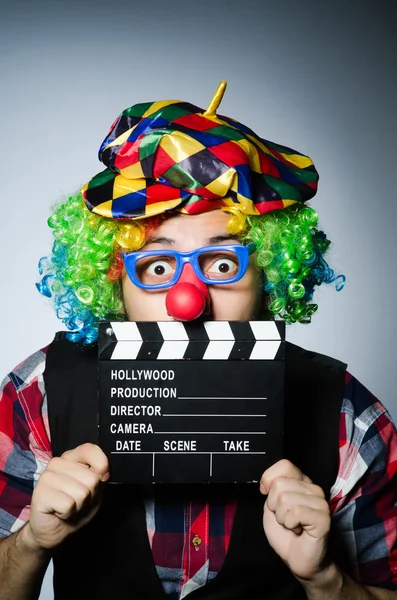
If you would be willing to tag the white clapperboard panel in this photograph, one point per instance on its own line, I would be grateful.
(191, 402)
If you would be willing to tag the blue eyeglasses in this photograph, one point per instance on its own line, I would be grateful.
(158, 269)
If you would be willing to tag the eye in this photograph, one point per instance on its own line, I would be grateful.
(221, 267)
(159, 268)
(155, 270)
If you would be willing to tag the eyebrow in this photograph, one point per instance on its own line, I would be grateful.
(153, 239)
(217, 239)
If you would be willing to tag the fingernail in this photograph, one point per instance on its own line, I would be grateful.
(105, 477)
(263, 488)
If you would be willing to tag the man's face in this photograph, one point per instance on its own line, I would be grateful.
(240, 301)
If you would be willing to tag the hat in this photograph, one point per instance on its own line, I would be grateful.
(172, 155)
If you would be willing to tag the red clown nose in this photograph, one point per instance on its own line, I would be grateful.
(189, 298)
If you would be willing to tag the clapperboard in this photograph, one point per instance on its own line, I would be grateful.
(191, 402)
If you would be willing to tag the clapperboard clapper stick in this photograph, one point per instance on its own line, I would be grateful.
(191, 402)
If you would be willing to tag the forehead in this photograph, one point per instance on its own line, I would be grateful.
(202, 226)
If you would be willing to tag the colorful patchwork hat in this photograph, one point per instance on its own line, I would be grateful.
(172, 155)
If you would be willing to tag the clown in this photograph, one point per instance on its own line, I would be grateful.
(194, 217)
(170, 158)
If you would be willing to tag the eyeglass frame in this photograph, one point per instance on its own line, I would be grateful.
(243, 252)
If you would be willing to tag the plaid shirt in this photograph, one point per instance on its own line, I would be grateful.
(189, 542)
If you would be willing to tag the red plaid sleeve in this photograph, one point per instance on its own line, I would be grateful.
(364, 496)
(24, 440)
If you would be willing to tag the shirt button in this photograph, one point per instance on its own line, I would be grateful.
(196, 541)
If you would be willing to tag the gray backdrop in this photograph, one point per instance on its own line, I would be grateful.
(317, 76)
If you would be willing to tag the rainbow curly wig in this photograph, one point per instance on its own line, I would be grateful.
(82, 276)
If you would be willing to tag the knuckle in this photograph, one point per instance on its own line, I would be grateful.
(55, 464)
(69, 505)
(88, 447)
(288, 468)
(278, 486)
(295, 511)
(45, 478)
(318, 491)
(66, 454)
(92, 480)
(284, 498)
(96, 457)
(82, 495)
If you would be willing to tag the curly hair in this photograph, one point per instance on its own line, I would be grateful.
(83, 273)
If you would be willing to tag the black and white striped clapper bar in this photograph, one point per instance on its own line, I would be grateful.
(191, 402)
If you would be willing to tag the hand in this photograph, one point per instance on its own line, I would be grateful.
(296, 519)
(67, 496)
